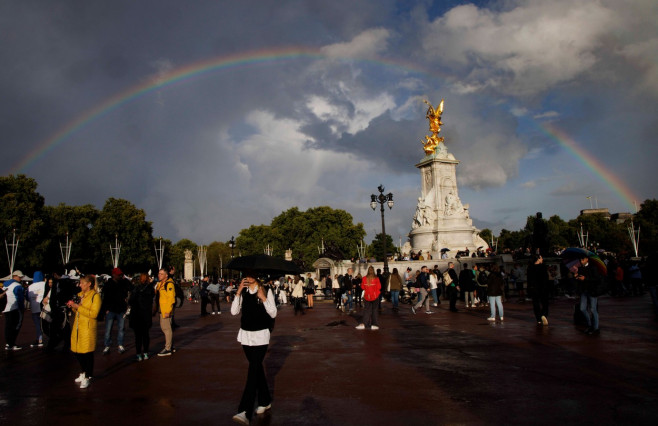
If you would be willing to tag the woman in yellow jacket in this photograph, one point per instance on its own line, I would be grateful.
(83, 333)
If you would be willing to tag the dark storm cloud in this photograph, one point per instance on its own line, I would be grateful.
(217, 152)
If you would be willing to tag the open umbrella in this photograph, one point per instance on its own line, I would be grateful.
(575, 253)
(443, 250)
(264, 264)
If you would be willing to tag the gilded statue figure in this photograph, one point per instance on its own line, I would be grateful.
(434, 116)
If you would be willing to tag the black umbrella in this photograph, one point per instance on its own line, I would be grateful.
(264, 264)
(445, 249)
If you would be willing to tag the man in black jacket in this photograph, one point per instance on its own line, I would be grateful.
(115, 304)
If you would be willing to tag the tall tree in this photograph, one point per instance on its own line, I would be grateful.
(376, 247)
(78, 221)
(647, 221)
(122, 219)
(21, 209)
(303, 232)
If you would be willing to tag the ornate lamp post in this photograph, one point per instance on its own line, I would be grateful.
(231, 244)
(388, 200)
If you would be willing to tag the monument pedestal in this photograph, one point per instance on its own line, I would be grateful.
(441, 220)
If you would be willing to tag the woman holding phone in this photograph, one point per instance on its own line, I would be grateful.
(258, 312)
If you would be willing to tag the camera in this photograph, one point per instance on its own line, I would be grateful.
(76, 299)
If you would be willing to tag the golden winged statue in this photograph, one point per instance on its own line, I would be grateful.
(434, 116)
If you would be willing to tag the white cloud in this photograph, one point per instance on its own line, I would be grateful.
(367, 44)
(523, 50)
(546, 114)
(342, 119)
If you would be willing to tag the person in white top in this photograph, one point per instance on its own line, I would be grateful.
(35, 295)
(257, 321)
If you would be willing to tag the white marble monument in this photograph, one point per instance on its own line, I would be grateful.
(188, 266)
(441, 220)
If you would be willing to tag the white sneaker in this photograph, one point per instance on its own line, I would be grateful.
(241, 418)
(360, 327)
(80, 378)
(84, 383)
(429, 312)
(491, 319)
(121, 349)
(261, 409)
(501, 318)
(374, 327)
(106, 350)
(213, 313)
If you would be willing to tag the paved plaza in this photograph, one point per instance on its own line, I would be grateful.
(445, 368)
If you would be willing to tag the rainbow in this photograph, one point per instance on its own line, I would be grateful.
(187, 72)
(625, 193)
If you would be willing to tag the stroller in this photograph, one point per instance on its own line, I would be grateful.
(408, 296)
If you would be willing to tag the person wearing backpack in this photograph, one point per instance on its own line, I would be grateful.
(83, 334)
(166, 298)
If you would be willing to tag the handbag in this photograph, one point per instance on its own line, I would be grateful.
(46, 316)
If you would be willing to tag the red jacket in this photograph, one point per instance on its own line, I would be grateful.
(371, 289)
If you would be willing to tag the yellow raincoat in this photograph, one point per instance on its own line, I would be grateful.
(83, 333)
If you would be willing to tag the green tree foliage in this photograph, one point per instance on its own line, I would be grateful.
(21, 209)
(215, 251)
(512, 239)
(78, 221)
(303, 232)
(376, 247)
(122, 219)
(646, 220)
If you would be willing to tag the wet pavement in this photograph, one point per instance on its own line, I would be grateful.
(445, 368)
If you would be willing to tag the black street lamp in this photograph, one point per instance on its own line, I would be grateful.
(231, 244)
(388, 200)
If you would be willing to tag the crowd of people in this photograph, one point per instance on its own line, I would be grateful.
(66, 309)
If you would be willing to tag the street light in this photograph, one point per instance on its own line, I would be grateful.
(231, 244)
(382, 199)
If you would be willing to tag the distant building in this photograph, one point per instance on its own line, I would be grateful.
(605, 212)
(618, 218)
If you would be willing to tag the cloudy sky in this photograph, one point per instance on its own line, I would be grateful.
(216, 115)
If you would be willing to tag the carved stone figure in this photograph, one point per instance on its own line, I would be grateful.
(453, 205)
(188, 254)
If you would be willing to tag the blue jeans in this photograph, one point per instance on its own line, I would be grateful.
(349, 303)
(435, 296)
(110, 317)
(493, 302)
(395, 298)
(584, 299)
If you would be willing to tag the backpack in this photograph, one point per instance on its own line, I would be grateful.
(180, 296)
(483, 278)
(447, 279)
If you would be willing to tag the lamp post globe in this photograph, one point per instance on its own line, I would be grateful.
(382, 199)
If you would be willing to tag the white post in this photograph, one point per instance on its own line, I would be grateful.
(159, 253)
(115, 251)
(201, 253)
(11, 260)
(635, 237)
(65, 250)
